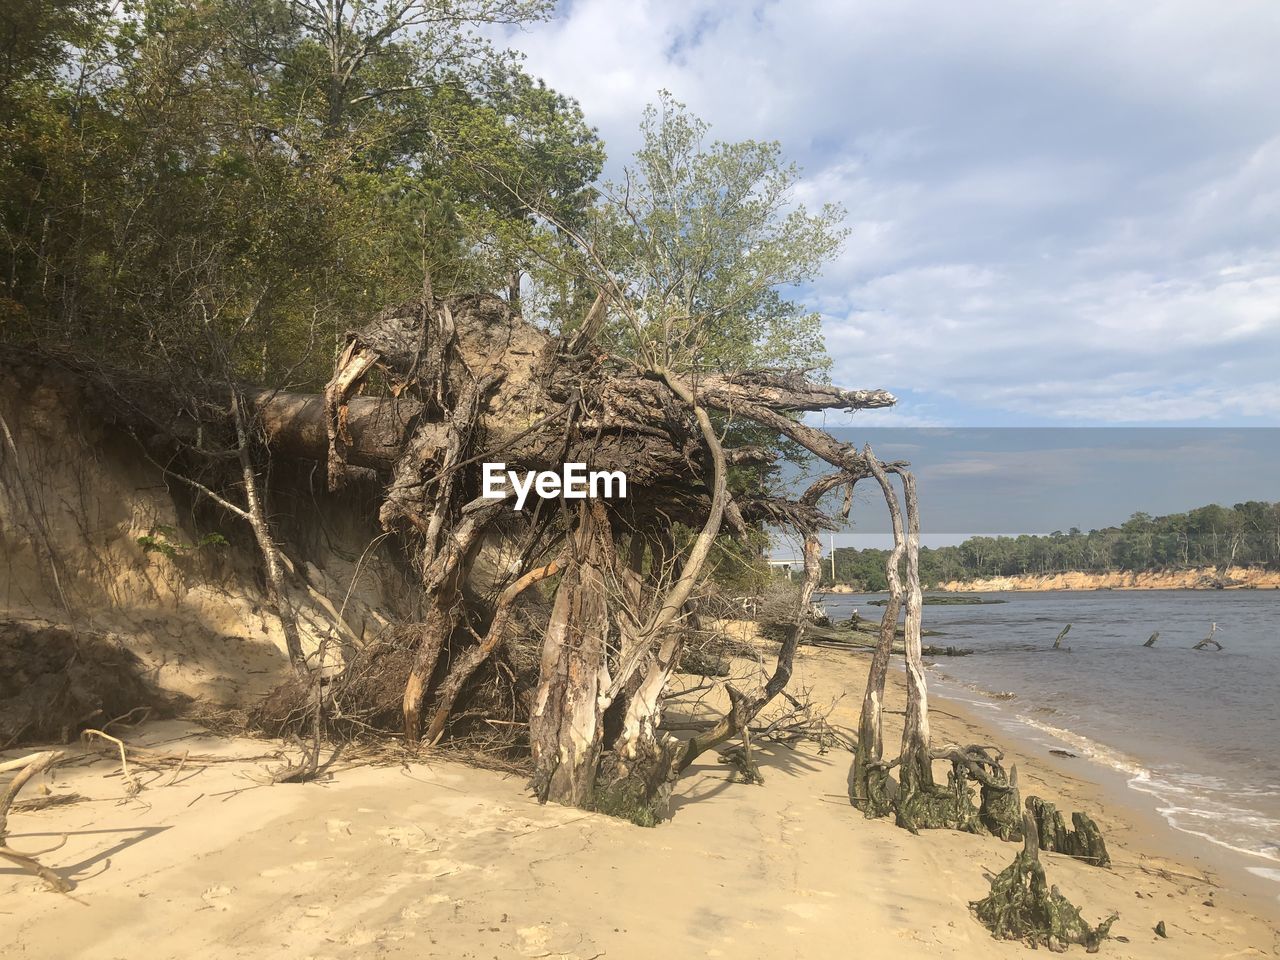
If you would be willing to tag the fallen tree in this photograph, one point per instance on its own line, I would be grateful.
(585, 606)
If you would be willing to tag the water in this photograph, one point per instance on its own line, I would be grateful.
(1198, 732)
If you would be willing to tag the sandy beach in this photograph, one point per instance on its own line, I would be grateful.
(437, 859)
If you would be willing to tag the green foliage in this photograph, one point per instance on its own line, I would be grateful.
(164, 540)
(698, 245)
(269, 172)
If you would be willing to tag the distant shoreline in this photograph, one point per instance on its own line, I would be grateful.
(1199, 578)
(1196, 578)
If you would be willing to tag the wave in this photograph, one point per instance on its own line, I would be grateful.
(1098, 752)
(1195, 804)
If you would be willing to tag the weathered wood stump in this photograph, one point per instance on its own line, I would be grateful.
(1022, 905)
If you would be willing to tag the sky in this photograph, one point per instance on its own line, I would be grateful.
(994, 481)
(1062, 213)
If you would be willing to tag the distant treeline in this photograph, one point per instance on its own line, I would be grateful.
(1245, 534)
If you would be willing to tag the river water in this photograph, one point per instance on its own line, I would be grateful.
(1196, 732)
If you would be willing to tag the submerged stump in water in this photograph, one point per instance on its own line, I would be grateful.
(1022, 905)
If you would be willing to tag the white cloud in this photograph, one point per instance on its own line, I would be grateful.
(1060, 212)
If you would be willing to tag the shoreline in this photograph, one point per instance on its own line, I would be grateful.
(1128, 777)
(1135, 814)
(1137, 835)
(1194, 578)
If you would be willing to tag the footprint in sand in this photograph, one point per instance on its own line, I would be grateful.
(539, 940)
(807, 911)
(534, 940)
(517, 825)
(423, 909)
(443, 867)
(409, 837)
(216, 896)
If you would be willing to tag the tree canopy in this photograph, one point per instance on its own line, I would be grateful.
(302, 163)
(305, 163)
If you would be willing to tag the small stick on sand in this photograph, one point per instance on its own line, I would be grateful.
(132, 786)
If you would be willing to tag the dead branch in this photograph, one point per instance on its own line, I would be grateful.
(31, 766)
(1209, 641)
(132, 784)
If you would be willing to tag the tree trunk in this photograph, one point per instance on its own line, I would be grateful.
(277, 597)
(565, 726)
(645, 763)
(868, 779)
(916, 769)
(442, 585)
(473, 657)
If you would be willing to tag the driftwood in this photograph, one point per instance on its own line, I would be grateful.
(1057, 641)
(1151, 640)
(1209, 641)
(28, 768)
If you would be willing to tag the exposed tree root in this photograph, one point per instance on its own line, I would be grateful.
(1000, 811)
(1084, 842)
(1022, 905)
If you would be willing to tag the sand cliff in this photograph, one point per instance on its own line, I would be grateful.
(1201, 578)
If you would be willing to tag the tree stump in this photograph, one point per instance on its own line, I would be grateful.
(1022, 905)
(1084, 842)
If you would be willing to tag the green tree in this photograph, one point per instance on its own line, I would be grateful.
(312, 160)
(698, 244)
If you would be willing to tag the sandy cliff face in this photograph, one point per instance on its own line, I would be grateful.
(1204, 578)
(76, 496)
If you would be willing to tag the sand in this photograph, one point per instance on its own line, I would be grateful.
(437, 859)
